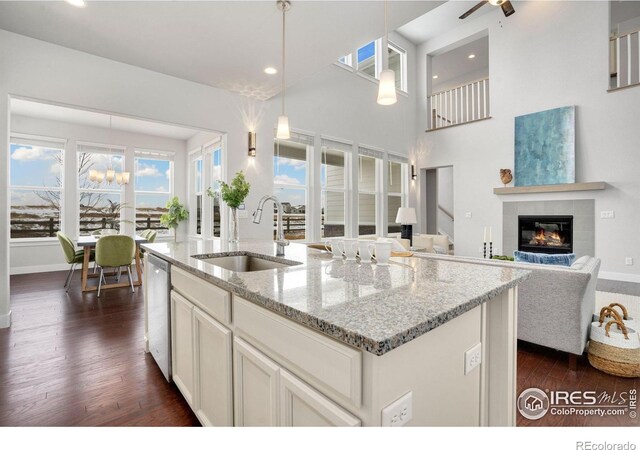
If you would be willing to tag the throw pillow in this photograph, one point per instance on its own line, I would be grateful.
(439, 250)
(580, 262)
(564, 259)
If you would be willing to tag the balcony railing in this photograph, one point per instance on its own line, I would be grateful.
(461, 104)
(624, 60)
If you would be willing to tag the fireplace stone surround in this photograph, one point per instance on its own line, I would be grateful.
(583, 212)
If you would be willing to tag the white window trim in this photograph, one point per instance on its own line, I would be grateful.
(154, 155)
(194, 156)
(38, 140)
(102, 149)
(346, 191)
(403, 66)
(309, 141)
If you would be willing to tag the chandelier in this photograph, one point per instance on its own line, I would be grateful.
(110, 175)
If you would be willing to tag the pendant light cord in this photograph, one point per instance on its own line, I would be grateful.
(284, 10)
(385, 51)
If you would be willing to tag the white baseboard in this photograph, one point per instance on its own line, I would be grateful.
(617, 276)
(5, 320)
(39, 269)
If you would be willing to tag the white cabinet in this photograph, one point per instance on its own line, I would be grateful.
(182, 345)
(256, 387)
(201, 362)
(213, 391)
(303, 406)
(268, 395)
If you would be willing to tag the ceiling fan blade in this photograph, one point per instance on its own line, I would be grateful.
(507, 8)
(474, 9)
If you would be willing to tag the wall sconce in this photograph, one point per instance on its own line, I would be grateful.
(252, 143)
(414, 175)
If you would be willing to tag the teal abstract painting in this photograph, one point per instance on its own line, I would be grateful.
(545, 147)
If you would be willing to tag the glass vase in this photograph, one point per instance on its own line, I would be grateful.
(234, 228)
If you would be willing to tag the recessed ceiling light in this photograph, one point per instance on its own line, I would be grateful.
(435, 77)
(78, 3)
(471, 56)
(271, 71)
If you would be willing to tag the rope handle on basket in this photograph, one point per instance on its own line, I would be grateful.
(625, 314)
(606, 312)
(620, 326)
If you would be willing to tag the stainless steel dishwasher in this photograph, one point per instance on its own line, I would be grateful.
(159, 312)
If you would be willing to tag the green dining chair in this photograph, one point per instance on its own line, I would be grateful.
(115, 251)
(72, 256)
(150, 236)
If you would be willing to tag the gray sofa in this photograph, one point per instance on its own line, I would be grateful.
(555, 305)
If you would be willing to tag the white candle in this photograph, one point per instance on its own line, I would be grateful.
(490, 240)
(485, 235)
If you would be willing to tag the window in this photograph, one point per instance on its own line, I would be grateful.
(101, 202)
(153, 182)
(216, 177)
(333, 174)
(347, 60)
(290, 183)
(396, 191)
(398, 63)
(367, 59)
(368, 176)
(36, 170)
(198, 190)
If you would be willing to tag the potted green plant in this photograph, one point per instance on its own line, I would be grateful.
(233, 195)
(176, 213)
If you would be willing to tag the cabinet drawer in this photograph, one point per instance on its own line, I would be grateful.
(333, 368)
(214, 301)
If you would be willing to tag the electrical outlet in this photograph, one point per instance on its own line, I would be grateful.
(472, 358)
(467, 215)
(628, 261)
(607, 214)
(398, 413)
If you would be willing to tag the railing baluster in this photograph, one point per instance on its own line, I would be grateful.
(473, 103)
(467, 100)
(484, 97)
(618, 62)
(628, 59)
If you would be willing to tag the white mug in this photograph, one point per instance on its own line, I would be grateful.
(382, 252)
(336, 247)
(350, 248)
(364, 252)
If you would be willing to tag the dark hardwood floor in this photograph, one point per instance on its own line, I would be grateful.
(73, 360)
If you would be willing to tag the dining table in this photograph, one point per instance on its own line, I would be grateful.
(88, 243)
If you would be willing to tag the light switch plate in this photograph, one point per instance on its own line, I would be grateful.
(628, 261)
(607, 214)
(467, 215)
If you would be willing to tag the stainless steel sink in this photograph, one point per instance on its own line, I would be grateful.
(245, 262)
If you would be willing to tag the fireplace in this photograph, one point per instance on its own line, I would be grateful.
(545, 234)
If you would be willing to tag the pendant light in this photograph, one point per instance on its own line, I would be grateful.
(387, 84)
(283, 120)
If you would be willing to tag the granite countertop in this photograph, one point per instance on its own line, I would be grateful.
(374, 308)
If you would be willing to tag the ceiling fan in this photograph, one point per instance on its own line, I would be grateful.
(507, 7)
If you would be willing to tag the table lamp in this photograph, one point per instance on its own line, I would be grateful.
(406, 217)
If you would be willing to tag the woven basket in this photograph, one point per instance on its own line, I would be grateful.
(617, 351)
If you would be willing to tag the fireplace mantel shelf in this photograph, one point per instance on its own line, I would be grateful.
(569, 187)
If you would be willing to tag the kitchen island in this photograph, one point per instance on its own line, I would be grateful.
(329, 342)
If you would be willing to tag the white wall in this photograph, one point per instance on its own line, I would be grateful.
(445, 200)
(547, 55)
(27, 257)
